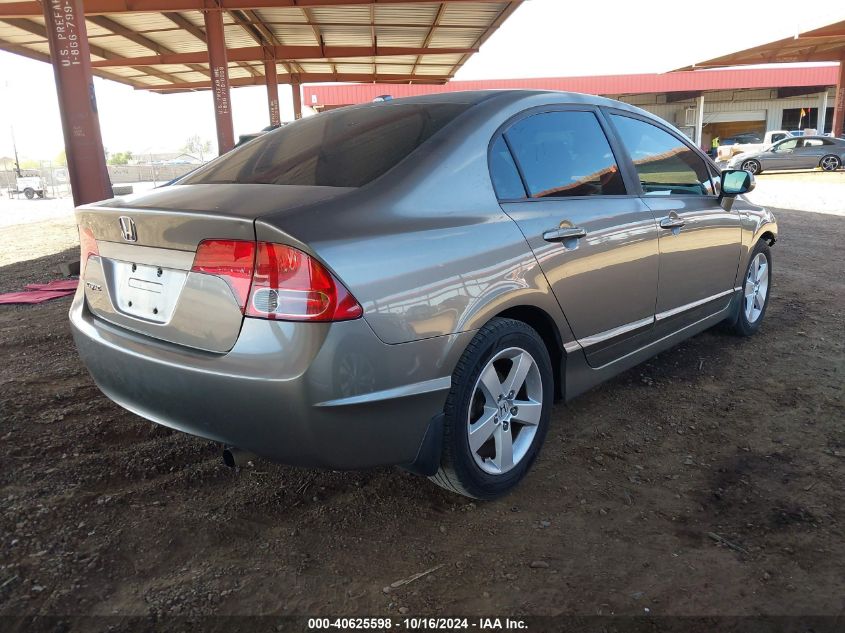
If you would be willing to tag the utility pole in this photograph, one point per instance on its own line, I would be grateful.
(15, 150)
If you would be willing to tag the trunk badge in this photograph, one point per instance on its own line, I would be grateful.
(127, 229)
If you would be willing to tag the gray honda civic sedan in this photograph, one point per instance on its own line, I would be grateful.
(415, 282)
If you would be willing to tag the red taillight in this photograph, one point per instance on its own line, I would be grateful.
(87, 247)
(290, 285)
(231, 260)
(274, 281)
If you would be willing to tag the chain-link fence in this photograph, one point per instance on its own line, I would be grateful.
(45, 181)
(52, 181)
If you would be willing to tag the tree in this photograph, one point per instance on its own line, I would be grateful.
(120, 158)
(197, 146)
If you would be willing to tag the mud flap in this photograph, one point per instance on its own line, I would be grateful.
(427, 461)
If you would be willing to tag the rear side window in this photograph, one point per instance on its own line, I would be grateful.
(506, 180)
(665, 165)
(344, 148)
(565, 154)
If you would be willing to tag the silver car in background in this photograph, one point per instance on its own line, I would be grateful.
(415, 282)
(803, 152)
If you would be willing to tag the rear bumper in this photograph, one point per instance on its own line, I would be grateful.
(311, 394)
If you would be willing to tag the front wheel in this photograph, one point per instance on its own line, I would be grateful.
(497, 411)
(830, 163)
(753, 167)
(755, 291)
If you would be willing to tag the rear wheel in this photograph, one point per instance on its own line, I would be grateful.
(497, 411)
(755, 291)
(752, 166)
(830, 163)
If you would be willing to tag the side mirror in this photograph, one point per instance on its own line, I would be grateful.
(736, 182)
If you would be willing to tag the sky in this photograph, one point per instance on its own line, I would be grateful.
(543, 38)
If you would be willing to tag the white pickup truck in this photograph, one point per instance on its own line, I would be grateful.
(726, 152)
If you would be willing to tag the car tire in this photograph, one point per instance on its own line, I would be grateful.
(752, 166)
(29, 193)
(756, 290)
(509, 355)
(830, 162)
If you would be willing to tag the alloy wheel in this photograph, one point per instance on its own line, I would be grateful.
(751, 166)
(505, 410)
(830, 163)
(756, 287)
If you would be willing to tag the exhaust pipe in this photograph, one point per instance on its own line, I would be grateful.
(236, 457)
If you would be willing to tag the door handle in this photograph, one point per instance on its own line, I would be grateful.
(672, 222)
(561, 235)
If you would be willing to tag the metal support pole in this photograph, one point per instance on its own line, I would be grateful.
(71, 58)
(839, 102)
(296, 95)
(699, 122)
(219, 80)
(822, 111)
(272, 82)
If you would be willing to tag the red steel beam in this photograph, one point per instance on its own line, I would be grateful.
(272, 81)
(310, 78)
(198, 33)
(44, 57)
(32, 8)
(219, 66)
(839, 103)
(257, 54)
(38, 29)
(71, 59)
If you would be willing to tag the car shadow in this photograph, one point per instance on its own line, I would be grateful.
(15, 276)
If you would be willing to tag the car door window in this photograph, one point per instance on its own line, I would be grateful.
(813, 142)
(564, 154)
(665, 165)
(787, 145)
(503, 172)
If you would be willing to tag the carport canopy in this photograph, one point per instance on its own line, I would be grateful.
(186, 45)
(825, 44)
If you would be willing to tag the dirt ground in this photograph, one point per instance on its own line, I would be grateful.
(707, 481)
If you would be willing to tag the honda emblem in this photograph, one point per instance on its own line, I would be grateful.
(127, 229)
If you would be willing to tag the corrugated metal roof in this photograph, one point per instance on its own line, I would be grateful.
(703, 80)
(825, 44)
(362, 40)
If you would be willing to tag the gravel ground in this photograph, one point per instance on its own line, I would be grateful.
(823, 192)
(706, 481)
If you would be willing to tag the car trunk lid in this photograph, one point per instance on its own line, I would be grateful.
(141, 278)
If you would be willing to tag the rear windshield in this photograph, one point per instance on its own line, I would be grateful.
(343, 148)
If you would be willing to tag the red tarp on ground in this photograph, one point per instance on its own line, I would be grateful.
(38, 293)
(58, 284)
